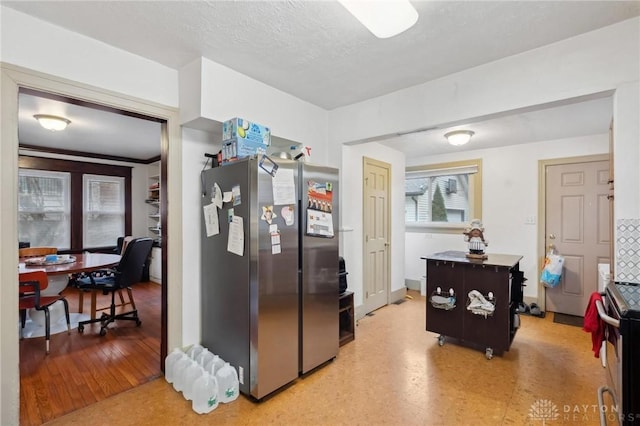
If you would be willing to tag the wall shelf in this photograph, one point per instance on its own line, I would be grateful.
(154, 225)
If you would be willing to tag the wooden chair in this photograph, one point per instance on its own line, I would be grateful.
(30, 286)
(37, 251)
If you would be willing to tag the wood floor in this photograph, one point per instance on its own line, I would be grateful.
(395, 373)
(83, 369)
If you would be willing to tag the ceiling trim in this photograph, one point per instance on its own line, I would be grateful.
(92, 105)
(74, 153)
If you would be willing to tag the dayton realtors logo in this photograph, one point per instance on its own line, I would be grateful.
(544, 410)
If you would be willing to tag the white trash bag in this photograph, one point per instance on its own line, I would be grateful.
(552, 271)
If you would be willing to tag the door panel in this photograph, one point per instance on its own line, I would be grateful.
(376, 234)
(577, 223)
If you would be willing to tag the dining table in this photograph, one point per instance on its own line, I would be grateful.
(76, 263)
(58, 270)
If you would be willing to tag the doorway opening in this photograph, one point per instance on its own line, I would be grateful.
(151, 297)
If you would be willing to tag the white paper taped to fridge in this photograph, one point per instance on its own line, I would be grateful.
(235, 244)
(284, 187)
(211, 219)
(217, 196)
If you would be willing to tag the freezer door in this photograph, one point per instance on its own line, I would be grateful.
(276, 304)
(225, 277)
(319, 265)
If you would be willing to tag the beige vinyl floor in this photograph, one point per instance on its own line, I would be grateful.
(395, 373)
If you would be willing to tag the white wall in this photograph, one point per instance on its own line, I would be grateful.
(40, 46)
(351, 213)
(510, 194)
(195, 143)
(590, 63)
(626, 130)
(604, 60)
(212, 91)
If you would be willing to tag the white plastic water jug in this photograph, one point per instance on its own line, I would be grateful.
(204, 357)
(228, 385)
(179, 371)
(205, 394)
(194, 351)
(214, 364)
(191, 374)
(169, 363)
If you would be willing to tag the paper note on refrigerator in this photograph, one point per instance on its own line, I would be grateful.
(284, 187)
(235, 244)
(319, 223)
(217, 196)
(211, 219)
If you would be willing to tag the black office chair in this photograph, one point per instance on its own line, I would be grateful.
(127, 273)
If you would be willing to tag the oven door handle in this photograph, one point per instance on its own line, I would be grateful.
(606, 318)
(603, 408)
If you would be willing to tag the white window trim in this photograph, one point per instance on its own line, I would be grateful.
(86, 178)
(472, 167)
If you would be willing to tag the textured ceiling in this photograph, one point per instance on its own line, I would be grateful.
(316, 51)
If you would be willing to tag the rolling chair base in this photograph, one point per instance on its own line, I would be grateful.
(105, 320)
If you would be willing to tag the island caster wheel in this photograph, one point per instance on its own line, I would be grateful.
(103, 331)
(441, 340)
(81, 329)
(138, 323)
(489, 353)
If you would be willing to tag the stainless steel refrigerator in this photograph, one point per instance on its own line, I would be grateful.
(269, 308)
(319, 263)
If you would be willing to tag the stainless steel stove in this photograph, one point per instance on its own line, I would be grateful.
(622, 353)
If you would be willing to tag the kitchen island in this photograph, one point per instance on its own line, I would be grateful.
(495, 285)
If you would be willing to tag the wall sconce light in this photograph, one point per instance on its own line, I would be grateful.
(459, 137)
(52, 122)
(385, 18)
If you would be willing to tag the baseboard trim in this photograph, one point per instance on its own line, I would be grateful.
(393, 297)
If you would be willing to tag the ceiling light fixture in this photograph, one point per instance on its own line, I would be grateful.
(52, 122)
(459, 137)
(384, 18)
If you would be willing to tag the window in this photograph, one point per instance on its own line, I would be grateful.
(443, 197)
(103, 213)
(73, 205)
(44, 200)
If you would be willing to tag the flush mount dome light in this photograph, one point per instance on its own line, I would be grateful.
(52, 122)
(459, 137)
(384, 18)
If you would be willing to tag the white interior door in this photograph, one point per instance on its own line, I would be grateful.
(376, 234)
(578, 225)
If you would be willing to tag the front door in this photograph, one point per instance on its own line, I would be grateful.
(577, 224)
(376, 233)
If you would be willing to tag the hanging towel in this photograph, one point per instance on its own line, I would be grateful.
(442, 302)
(593, 324)
(479, 305)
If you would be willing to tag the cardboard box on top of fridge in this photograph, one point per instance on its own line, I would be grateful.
(240, 148)
(244, 130)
